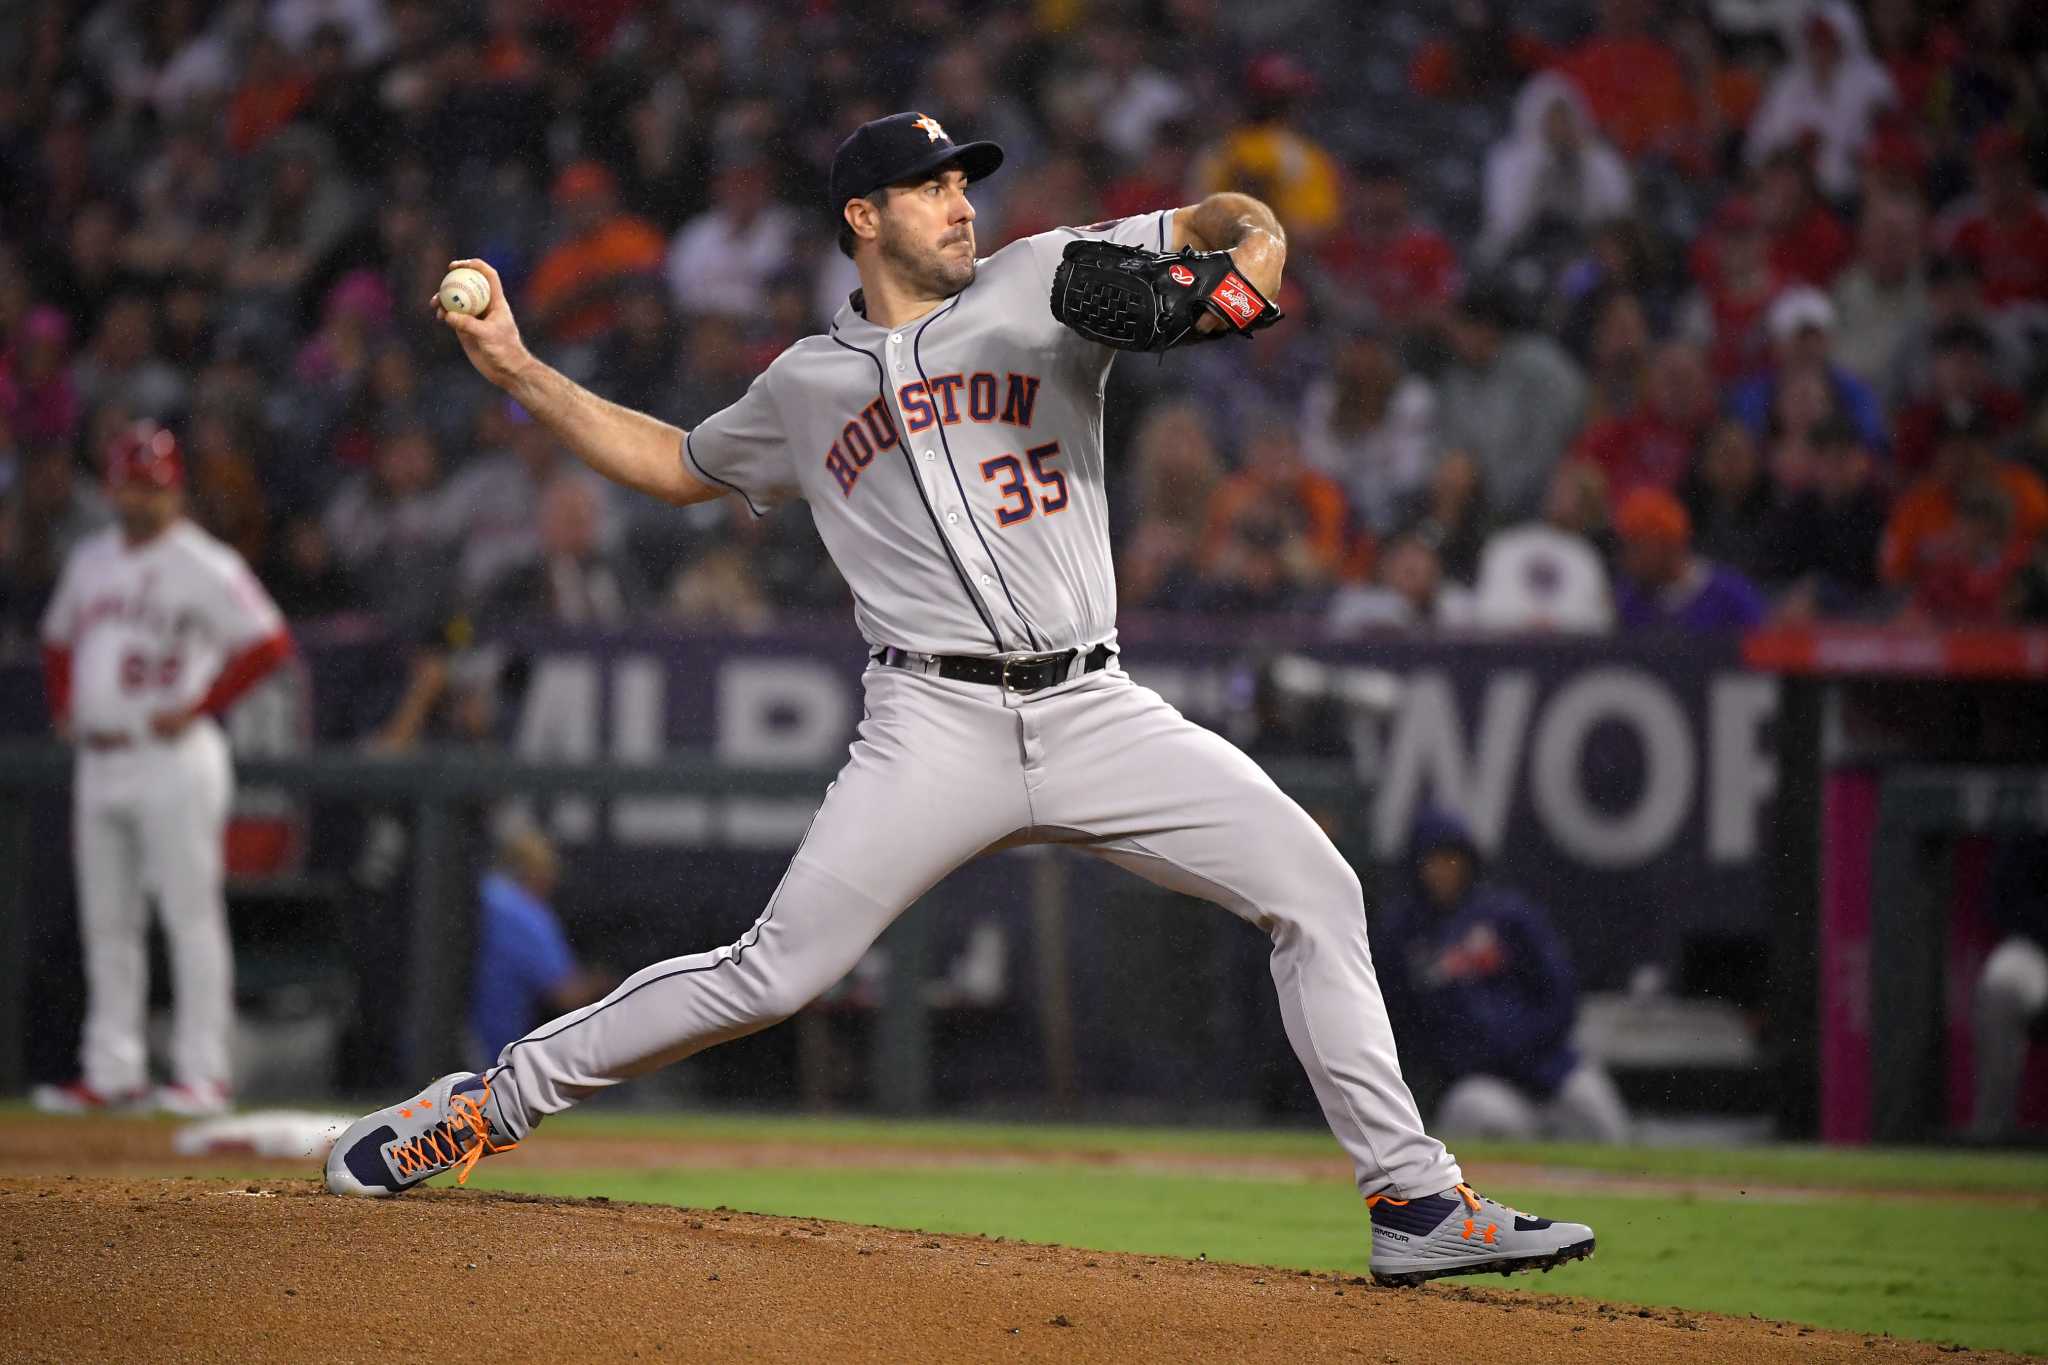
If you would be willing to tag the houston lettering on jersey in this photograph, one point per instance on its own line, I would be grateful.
(944, 400)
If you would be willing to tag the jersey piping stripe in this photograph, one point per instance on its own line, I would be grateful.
(917, 359)
(691, 457)
(910, 466)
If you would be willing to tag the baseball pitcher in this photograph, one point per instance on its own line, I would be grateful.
(947, 434)
(155, 630)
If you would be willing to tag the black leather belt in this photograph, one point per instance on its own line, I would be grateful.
(1013, 672)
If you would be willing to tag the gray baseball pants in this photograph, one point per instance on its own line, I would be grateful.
(943, 771)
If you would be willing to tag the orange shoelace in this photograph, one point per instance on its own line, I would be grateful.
(1472, 1224)
(461, 1139)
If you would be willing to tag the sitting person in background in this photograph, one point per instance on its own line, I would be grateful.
(1176, 469)
(1511, 399)
(1371, 425)
(1664, 584)
(1824, 540)
(1275, 503)
(1730, 498)
(573, 295)
(1549, 575)
(1406, 268)
(1974, 580)
(1552, 172)
(1930, 538)
(574, 580)
(1409, 593)
(1802, 327)
(390, 532)
(1453, 515)
(1481, 988)
(525, 971)
(1478, 55)
(1652, 443)
(1960, 377)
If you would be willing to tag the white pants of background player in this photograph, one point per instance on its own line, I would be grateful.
(943, 771)
(1586, 1108)
(2012, 990)
(148, 825)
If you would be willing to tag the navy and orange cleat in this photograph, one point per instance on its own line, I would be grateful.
(446, 1127)
(1460, 1232)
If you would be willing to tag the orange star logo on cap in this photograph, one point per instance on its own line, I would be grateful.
(931, 128)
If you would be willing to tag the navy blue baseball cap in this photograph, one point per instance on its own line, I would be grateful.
(887, 151)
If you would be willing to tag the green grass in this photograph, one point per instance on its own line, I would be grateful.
(1967, 1273)
(1779, 1164)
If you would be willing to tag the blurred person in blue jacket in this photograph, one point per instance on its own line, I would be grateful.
(1483, 990)
(526, 972)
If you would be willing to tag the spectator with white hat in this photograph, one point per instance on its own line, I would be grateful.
(1801, 322)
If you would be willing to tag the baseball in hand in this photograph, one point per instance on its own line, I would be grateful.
(465, 290)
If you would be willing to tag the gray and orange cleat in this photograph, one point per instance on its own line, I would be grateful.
(447, 1127)
(1460, 1232)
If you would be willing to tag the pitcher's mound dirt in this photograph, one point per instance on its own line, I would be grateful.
(185, 1268)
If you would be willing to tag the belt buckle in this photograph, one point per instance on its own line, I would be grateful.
(1056, 657)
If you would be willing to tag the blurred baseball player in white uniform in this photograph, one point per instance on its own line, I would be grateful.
(155, 630)
(947, 435)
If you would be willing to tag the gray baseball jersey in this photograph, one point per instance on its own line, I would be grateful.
(954, 468)
(953, 465)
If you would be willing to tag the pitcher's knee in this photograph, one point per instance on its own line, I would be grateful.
(1321, 898)
(773, 993)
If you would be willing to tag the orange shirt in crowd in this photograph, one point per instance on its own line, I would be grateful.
(622, 246)
(1925, 517)
(1325, 516)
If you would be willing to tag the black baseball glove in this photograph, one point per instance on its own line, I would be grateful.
(1139, 300)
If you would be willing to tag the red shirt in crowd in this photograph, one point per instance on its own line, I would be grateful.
(1438, 69)
(1914, 430)
(1636, 88)
(1814, 249)
(1637, 449)
(2011, 256)
(1406, 274)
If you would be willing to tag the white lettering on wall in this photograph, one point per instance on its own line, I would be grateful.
(1428, 759)
(1557, 767)
(781, 713)
(1742, 771)
(639, 735)
(559, 723)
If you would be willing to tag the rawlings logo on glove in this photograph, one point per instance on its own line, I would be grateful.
(1139, 300)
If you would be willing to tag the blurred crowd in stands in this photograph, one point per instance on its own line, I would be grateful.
(1600, 315)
